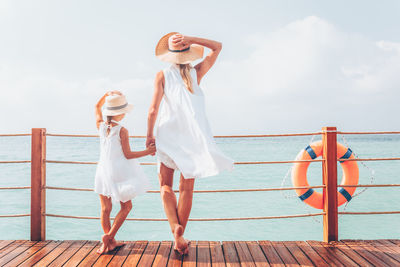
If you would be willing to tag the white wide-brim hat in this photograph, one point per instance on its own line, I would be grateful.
(184, 56)
(116, 105)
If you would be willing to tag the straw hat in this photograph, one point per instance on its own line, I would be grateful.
(169, 52)
(116, 105)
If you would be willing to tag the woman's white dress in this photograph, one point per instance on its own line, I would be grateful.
(116, 176)
(183, 135)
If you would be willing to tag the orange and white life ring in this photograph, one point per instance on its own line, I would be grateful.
(299, 175)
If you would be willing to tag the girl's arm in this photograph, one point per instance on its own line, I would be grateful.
(154, 106)
(203, 67)
(126, 148)
(99, 105)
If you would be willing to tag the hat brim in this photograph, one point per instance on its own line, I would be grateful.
(195, 52)
(107, 112)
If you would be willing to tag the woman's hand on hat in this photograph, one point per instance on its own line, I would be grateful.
(183, 40)
(115, 92)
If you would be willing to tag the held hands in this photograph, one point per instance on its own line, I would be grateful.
(151, 145)
(151, 149)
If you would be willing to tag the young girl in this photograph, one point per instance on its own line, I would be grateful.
(119, 177)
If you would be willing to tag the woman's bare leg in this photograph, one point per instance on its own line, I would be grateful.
(168, 198)
(185, 200)
(106, 207)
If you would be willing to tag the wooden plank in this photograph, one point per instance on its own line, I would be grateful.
(81, 253)
(216, 254)
(136, 253)
(324, 253)
(364, 253)
(105, 258)
(257, 254)
(270, 253)
(297, 253)
(162, 255)
(149, 254)
(366, 246)
(5, 243)
(91, 257)
(38, 182)
(244, 254)
(394, 241)
(311, 254)
(49, 247)
(175, 259)
(189, 260)
(388, 248)
(121, 255)
(230, 253)
(203, 254)
(17, 251)
(26, 254)
(343, 258)
(11, 247)
(351, 254)
(329, 178)
(54, 253)
(67, 254)
(284, 253)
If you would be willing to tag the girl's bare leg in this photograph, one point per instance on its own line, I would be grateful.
(168, 198)
(185, 200)
(106, 207)
(126, 207)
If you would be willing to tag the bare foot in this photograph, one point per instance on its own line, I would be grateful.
(106, 243)
(180, 243)
(114, 244)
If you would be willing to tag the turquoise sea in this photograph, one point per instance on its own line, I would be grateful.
(205, 205)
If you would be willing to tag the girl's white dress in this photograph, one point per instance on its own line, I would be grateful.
(116, 176)
(183, 135)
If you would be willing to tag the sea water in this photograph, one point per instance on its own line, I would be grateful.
(205, 205)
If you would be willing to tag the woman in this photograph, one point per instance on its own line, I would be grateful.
(183, 136)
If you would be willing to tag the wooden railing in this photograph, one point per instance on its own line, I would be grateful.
(329, 163)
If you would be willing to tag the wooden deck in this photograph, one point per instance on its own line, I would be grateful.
(203, 253)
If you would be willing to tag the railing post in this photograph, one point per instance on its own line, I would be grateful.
(329, 135)
(38, 182)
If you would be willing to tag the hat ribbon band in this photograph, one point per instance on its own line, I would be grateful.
(178, 51)
(117, 107)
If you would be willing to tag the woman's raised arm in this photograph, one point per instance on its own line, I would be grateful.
(203, 67)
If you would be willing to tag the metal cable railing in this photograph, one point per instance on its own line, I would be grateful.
(154, 163)
(204, 191)
(215, 190)
(196, 219)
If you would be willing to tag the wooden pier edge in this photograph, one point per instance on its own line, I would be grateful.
(38, 183)
(329, 178)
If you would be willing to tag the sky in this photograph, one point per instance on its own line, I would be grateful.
(286, 66)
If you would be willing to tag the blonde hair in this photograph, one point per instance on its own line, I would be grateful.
(187, 78)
